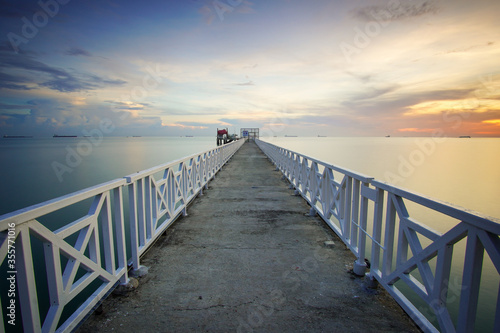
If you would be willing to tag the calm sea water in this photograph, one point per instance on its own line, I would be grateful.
(465, 172)
(34, 170)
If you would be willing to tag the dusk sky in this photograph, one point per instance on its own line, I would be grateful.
(289, 67)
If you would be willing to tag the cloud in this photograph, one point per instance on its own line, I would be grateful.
(467, 123)
(53, 78)
(207, 80)
(43, 115)
(46, 116)
(363, 78)
(103, 81)
(395, 12)
(388, 101)
(4, 106)
(8, 81)
(67, 84)
(15, 61)
(467, 48)
(187, 125)
(375, 92)
(76, 51)
(248, 83)
(129, 105)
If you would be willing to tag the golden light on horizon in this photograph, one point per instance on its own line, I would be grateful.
(416, 130)
(455, 106)
(492, 121)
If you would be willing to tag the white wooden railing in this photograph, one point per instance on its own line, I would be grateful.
(406, 257)
(84, 260)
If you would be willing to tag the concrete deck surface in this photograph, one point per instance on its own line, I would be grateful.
(247, 259)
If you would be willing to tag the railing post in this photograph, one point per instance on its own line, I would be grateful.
(55, 283)
(25, 277)
(107, 236)
(441, 287)
(347, 211)
(148, 207)
(474, 253)
(360, 264)
(141, 212)
(355, 214)
(313, 187)
(377, 232)
(134, 244)
(184, 186)
(121, 248)
(390, 226)
(341, 207)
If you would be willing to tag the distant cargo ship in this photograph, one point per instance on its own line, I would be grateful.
(17, 136)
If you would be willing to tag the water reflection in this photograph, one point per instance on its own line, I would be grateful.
(465, 172)
(28, 175)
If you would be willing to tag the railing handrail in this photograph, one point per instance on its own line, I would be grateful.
(355, 174)
(24, 215)
(147, 172)
(100, 249)
(490, 223)
(343, 205)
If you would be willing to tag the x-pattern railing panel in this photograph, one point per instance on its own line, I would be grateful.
(94, 236)
(355, 209)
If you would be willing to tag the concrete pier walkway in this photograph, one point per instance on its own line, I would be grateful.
(248, 259)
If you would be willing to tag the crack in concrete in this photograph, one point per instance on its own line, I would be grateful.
(213, 306)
